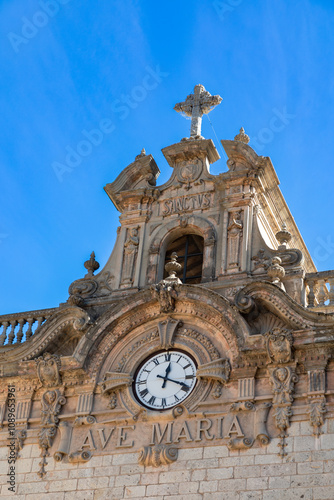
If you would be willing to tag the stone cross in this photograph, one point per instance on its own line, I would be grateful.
(199, 103)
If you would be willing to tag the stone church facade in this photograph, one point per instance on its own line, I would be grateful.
(197, 364)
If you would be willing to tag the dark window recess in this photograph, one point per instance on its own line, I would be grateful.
(189, 249)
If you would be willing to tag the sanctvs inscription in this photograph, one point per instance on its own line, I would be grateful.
(186, 203)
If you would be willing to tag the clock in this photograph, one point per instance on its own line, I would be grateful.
(165, 380)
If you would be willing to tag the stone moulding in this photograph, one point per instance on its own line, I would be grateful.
(157, 455)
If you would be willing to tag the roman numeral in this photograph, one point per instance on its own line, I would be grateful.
(187, 366)
(185, 388)
(176, 398)
(151, 400)
(143, 382)
(167, 356)
(179, 359)
(155, 361)
(163, 402)
(189, 377)
(143, 393)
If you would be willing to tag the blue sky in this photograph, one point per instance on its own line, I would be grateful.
(69, 65)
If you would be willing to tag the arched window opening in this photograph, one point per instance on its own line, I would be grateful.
(189, 249)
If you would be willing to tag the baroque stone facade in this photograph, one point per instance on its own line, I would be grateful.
(198, 363)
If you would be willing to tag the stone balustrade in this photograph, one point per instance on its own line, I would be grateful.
(320, 289)
(19, 327)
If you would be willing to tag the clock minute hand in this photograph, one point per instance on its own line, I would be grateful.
(175, 381)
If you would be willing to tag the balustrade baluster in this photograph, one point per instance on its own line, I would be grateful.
(19, 335)
(11, 335)
(31, 321)
(3, 336)
(322, 295)
(311, 294)
(331, 291)
(40, 320)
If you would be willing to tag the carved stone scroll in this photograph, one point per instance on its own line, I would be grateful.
(260, 427)
(65, 441)
(80, 456)
(167, 331)
(87, 420)
(218, 370)
(240, 443)
(114, 381)
(157, 455)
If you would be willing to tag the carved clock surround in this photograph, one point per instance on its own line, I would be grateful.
(118, 370)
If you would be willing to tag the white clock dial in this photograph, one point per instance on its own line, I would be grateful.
(165, 380)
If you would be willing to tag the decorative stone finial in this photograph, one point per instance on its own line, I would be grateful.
(91, 265)
(276, 272)
(173, 267)
(242, 136)
(283, 237)
(141, 154)
(196, 104)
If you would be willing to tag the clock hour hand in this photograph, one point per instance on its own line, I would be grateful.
(165, 379)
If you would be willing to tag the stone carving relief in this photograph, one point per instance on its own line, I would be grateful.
(130, 255)
(316, 399)
(84, 288)
(166, 294)
(234, 231)
(187, 172)
(165, 291)
(279, 345)
(276, 272)
(283, 379)
(261, 261)
(155, 456)
(316, 411)
(48, 367)
(50, 408)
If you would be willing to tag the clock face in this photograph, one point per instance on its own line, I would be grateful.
(165, 380)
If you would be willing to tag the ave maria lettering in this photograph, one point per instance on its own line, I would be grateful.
(185, 203)
(188, 431)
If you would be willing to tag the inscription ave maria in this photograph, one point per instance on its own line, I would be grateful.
(187, 431)
(186, 203)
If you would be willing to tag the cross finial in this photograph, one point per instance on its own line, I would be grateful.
(199, 103)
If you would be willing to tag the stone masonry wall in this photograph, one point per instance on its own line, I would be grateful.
(203, 473)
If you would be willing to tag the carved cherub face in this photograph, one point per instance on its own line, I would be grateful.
(50, 397)
(281, 374)
(133, 231)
